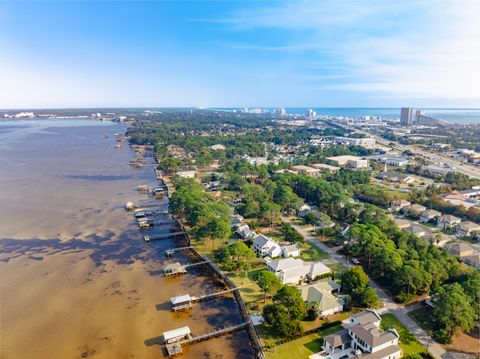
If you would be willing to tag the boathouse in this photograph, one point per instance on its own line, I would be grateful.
(181, 302)
(174, 269)
(176, 335)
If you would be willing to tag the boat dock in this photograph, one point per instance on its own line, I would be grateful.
(183, 302)
(178, 269)
(171, 252)
(175, 348)
(153, 237)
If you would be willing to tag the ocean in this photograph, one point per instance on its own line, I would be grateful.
(452, 115)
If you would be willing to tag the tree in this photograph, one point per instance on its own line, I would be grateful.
(268, 282)
(354, 280)
(234, 256)
(276, 315)
(369, 298)
(291, 298)
(472, 289)
(452, 310)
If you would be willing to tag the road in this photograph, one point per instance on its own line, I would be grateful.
(433, 156)
(400, 311)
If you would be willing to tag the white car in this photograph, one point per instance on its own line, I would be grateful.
(355, 260)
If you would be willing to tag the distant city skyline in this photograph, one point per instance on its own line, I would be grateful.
(234, 54)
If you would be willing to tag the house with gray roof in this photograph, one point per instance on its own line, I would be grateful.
(320, 294)
(362, 338)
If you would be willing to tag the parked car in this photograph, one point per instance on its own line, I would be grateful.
(355, 261)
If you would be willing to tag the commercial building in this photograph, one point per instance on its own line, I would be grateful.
(406, 116)
(349, 141)
(348, 161)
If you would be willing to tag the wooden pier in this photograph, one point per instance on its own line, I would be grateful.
(178, 269)
(174, 349)
(216, 333)
(184, 302)
(172, 251)
(153, 237)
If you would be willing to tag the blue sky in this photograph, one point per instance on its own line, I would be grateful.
(209, 54)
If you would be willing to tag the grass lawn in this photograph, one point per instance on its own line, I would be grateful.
(251, 293)
(301, 348)
(408, 343)
(422, 316)
(310, 252)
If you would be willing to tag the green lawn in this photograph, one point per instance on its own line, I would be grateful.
(423, 317)
(310, 252)
(408, 342)
(301, 348)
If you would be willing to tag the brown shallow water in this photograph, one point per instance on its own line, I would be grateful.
(76, 278)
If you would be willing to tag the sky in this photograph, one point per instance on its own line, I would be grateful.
(318, 53)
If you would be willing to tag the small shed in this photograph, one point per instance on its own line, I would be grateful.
(176, 335)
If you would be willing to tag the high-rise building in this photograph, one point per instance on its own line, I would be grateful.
(418, 114)
(311, 113)
(406, 116)
(281, 111)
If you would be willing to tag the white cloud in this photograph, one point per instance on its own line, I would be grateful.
(410, 49)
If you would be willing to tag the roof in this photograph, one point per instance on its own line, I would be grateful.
(384, 353)
(449, 218)
(367, 316)
(180, 299)
(304, 168)
(324, 298)
(430, 212)
(176, 333)
(469, 225)
(371, 335)
(295, 272)
(285, 263)
(291, 248)
(261, 240)
(344, 158)
(318, 268)
(338, 338)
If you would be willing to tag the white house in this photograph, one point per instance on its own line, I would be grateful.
(362, 338)
(186, 174)
(429, 215)
(448, 221)
(294, 270)
(243, 230)
(264, 246)
(399, 204)
(290, 251)
(303, 210)
(468, 228)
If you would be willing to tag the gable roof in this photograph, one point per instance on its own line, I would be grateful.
(285, 263)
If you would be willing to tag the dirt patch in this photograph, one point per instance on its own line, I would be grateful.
(466, 342)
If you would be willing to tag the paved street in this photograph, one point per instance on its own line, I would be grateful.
(400, 311)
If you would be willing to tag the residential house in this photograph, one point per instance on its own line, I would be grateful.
(472, 260)
(429, 215)
(413, 210)
(459, 249)
(303, 210)
(290, 251)
(236, 220)
(448, 221)
(362, 338)
(264, 246)
(399, 204)
(417, 230)
(294, 270)
(468, 228)
(325, 168)
(395, 177)
(321, 295)
(186, 174)
(402, 223)
(244, 231)
(309, 171)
